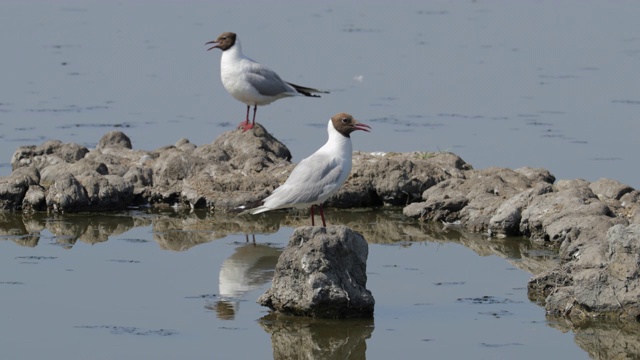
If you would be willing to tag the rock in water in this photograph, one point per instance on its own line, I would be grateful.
(322, 273)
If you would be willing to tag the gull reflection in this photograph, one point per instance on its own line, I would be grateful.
(251, 266)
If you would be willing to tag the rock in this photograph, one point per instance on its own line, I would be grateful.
(609, 189)
(249, 164)
(107, 192)
(507, 218)
(630, 206)
(475, 199)
(322, 273)
(14, 187)
(67, 194)
(49, 153)
(35, 199)
(396, 178)
(606, 285)
(115, 139)
(84, 166)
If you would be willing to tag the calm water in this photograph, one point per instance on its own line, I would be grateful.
(180, 285)
(501, 83)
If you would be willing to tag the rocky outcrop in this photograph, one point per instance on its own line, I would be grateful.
(587, 222)
(322, 273)
(602, 278)
(248, 165)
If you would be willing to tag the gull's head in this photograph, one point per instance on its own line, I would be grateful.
(223, 42)
(345, 124)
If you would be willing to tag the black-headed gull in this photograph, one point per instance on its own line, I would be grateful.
(251, 82)
(319, 176)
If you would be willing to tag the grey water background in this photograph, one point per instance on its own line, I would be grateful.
(500, 83)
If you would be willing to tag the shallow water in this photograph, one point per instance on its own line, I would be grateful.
(184, 285)
(500, 83)
(509, 84)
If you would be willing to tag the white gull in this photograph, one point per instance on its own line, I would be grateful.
(319, 176)
(251, 82)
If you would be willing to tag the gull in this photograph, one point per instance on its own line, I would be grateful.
(319, 176)
(251, 82)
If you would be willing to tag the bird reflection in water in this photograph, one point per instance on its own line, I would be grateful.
(251, 266)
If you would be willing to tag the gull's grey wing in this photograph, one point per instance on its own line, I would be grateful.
(267, 82)
(313, 178)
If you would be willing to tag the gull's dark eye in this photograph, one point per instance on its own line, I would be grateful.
(345, 120)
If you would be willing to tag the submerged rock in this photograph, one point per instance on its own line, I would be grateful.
(322, 273)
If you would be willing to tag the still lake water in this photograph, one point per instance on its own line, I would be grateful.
(183, 285)
(500, 83)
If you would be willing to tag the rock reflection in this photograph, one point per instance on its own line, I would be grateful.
(308, 338)
(603, 339)
(250, 266)
(180, 230)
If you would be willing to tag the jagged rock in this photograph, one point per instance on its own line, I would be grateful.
(49, 153)
(396, 178)
(106, 192)
(322, 273)
(609, 189)
(603, 285)
(35, 199)
(67, 194)
(507, 218)
(475, 199)
(14, 187)
(630, 206)
(50, 174)
(248, 164)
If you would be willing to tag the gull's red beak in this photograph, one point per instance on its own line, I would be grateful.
(361, 126)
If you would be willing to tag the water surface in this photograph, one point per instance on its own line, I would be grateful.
(500, 83)
(184, 285)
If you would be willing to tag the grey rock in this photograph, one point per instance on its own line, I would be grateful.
(141, 178)
(185, 145)
(35, 199)
(322, 273)
(50, 174)
(67, 194)
(106, 192)
(14, 187)
(507, 218)
(473, 200)
(609, 189)
(396, 178)
(115, 139)
(606, 285)
(49, 153)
